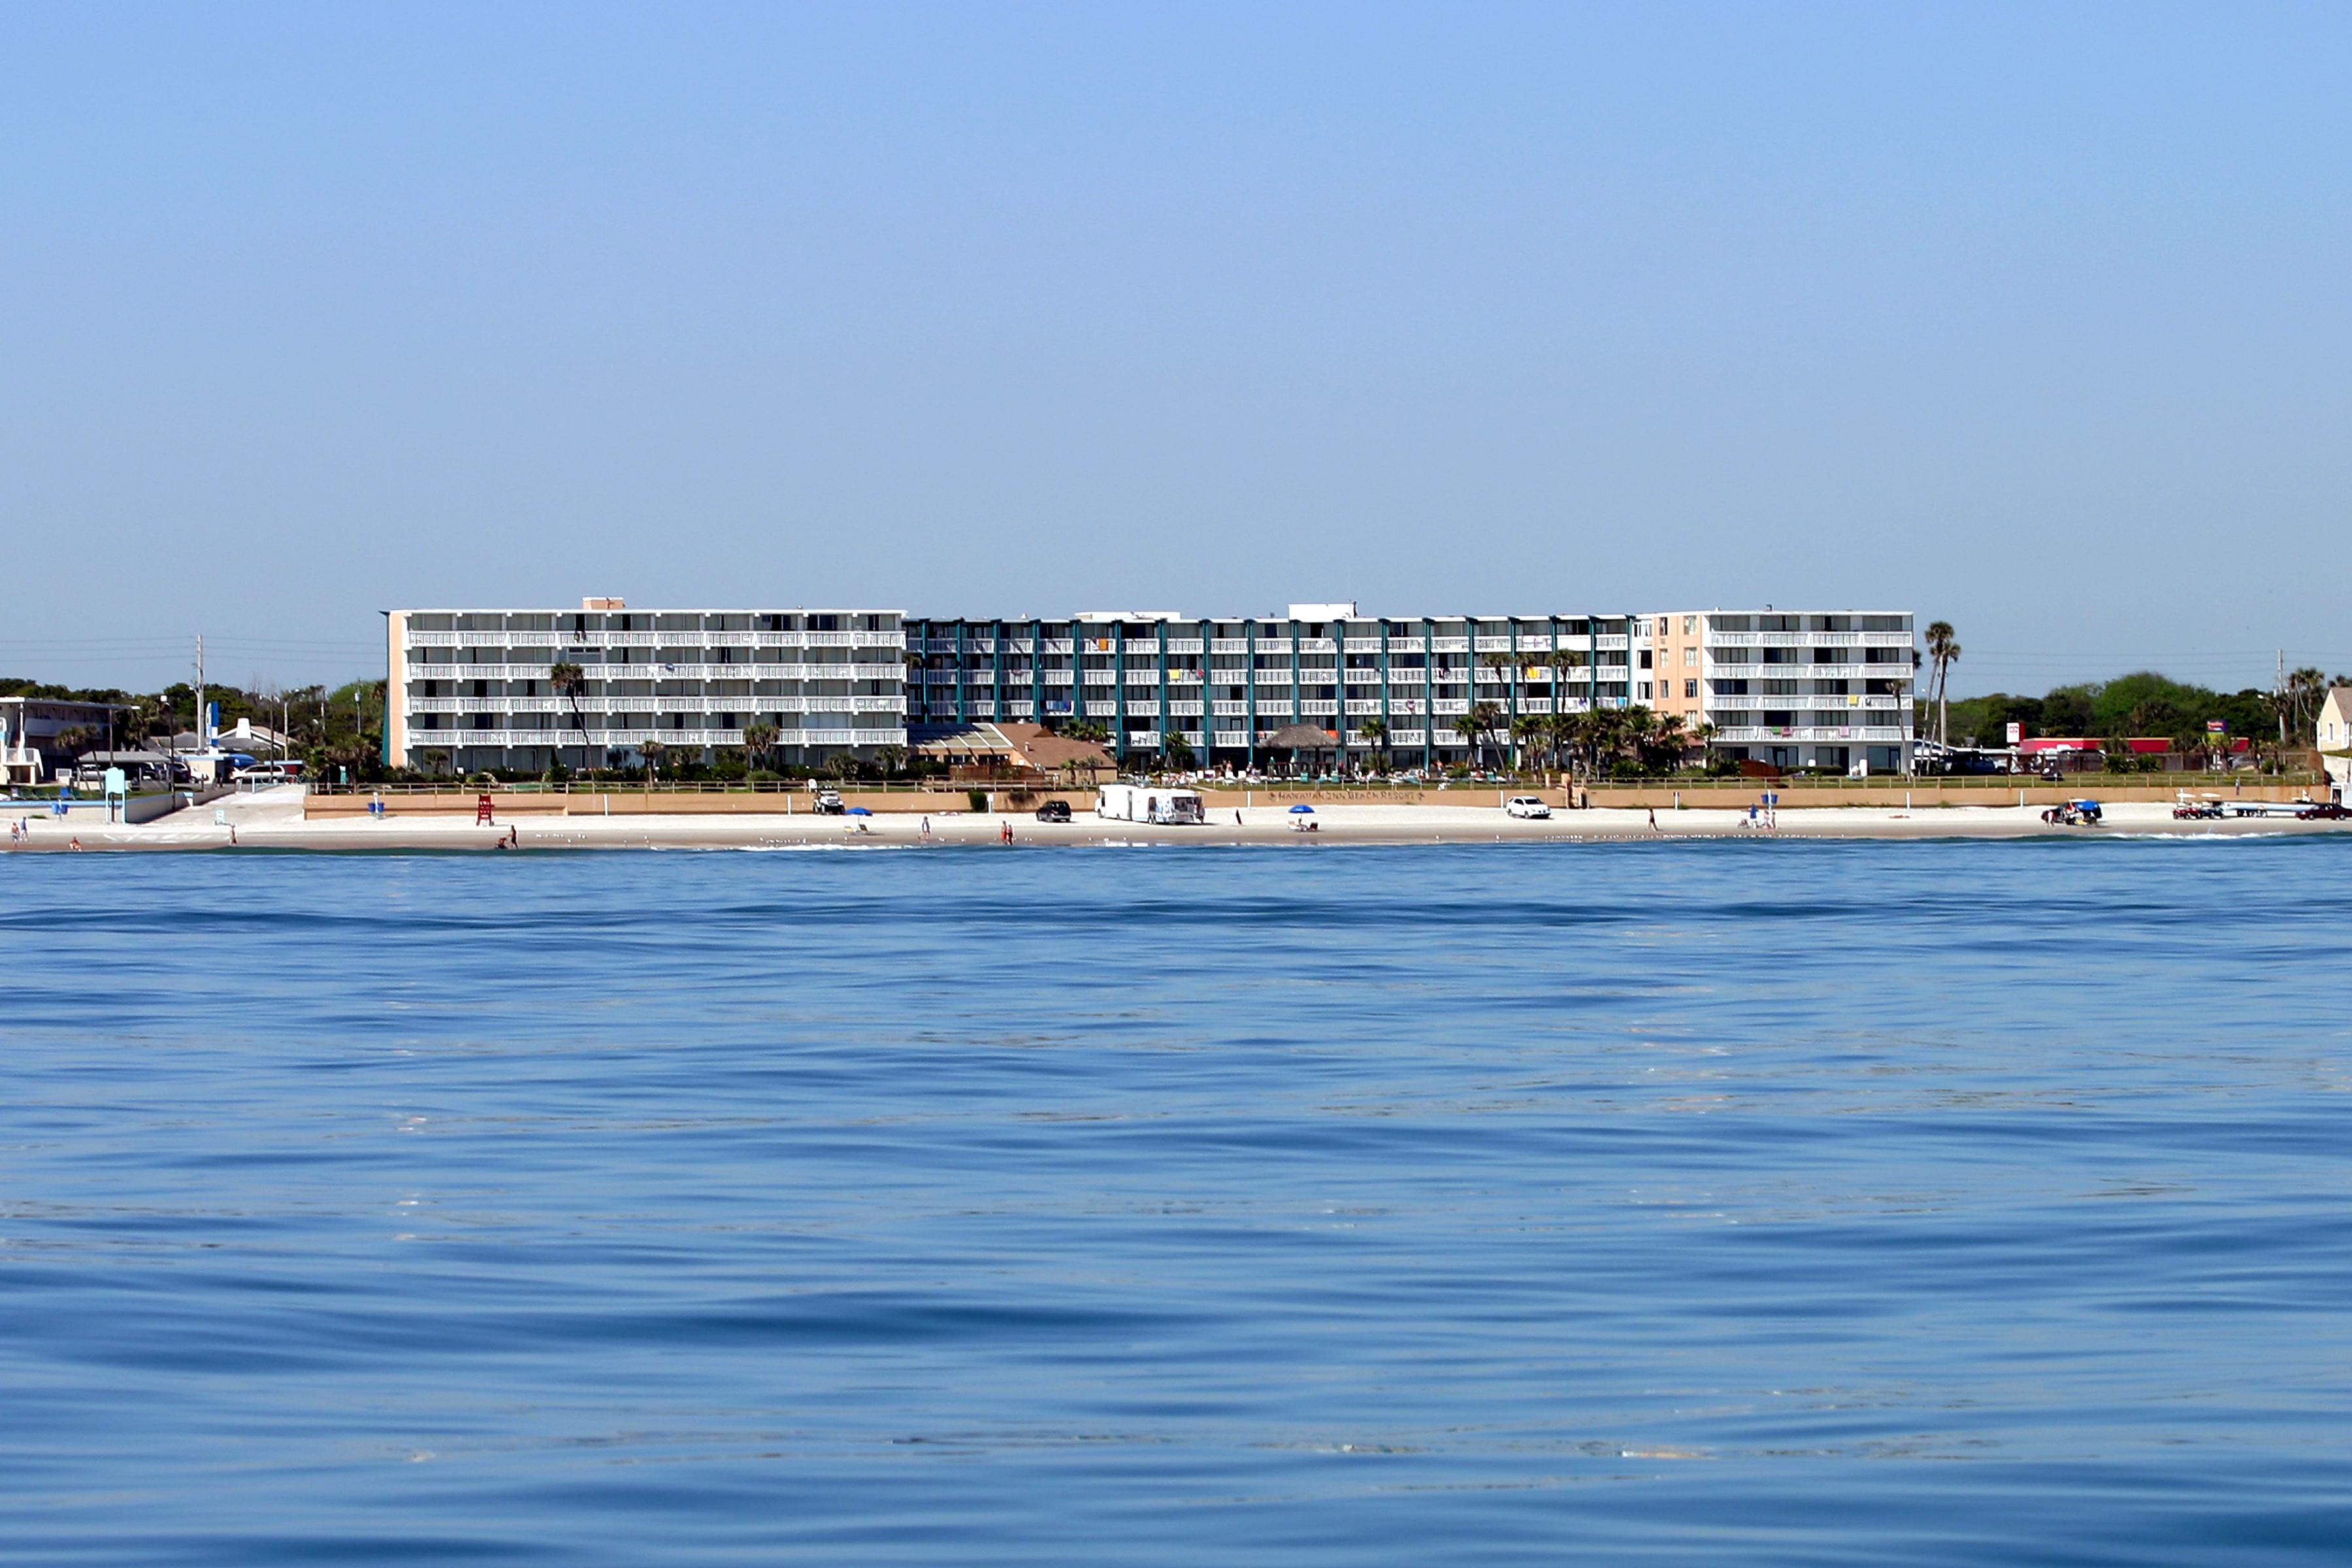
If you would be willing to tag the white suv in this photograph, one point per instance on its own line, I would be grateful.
(1526, 806)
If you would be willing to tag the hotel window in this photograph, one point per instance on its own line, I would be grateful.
(1690, 625)
(1690, 689)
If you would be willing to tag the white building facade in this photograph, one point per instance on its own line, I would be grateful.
(477, 689)
(1819, 688)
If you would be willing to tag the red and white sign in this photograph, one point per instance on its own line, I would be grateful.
(2016, 731)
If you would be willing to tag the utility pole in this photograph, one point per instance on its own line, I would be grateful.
(200, 691)
(2280, 690)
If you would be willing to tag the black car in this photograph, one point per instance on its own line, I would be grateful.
(1054, 811)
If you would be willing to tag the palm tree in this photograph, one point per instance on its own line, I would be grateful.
(1528, 731)
(1701, 735)
(1943, 650)
(651, 751)
(1666, 738)
(1605, 736)
(1500, 663)
(890, 759)
(2307, 688)
(1480, 726)
(568, 679)
(759, 738)
(1561, 731)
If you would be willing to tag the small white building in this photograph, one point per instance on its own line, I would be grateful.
(2335, 739)
(36, 735)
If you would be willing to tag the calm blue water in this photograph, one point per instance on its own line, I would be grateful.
(1769, 1202)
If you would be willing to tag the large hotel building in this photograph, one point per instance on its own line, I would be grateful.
(480, 689)
(1829, 689)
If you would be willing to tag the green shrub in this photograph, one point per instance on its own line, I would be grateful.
(979, 799)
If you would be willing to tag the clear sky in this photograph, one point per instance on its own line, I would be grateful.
(2032, 318)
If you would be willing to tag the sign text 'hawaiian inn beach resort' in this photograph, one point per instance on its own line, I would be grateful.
(524, 689)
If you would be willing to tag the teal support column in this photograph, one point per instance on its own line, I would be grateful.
(1298, 711)
(1249, 687)
(1118, 687)
(1429, 694)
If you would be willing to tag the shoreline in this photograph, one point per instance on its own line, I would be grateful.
(274, 820)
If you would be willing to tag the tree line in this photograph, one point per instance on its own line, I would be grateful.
(2145, 704)
(329, 727)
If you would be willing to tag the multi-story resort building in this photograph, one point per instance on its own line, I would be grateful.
(478, 688)
(1814, 689)
(473, 689)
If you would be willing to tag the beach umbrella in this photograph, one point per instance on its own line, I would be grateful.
(857, 811)
(1302, 811)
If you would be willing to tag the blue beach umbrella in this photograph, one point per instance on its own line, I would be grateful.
(857, 811)
(1302, 811)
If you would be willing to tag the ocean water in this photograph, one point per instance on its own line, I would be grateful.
(1767, 1202)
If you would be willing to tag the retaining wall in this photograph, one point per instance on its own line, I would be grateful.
(1734, 795)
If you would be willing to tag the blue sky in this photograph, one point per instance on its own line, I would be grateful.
(2032, 318)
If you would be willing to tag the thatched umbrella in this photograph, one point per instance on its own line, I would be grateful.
(1298, 738)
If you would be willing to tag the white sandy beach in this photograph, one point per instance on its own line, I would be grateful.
(273, 820)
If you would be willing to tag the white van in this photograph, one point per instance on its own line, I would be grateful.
(1148, 802)
(1527, 806)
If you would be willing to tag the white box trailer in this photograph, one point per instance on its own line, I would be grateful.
(1148, 802)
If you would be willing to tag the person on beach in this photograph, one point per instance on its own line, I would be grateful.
(1653, 819)
(1004, 835)
(927, 828)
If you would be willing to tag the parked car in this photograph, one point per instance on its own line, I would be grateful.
(1526, 806)
(1054, 811)
(828, 803)
(2323, 811)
